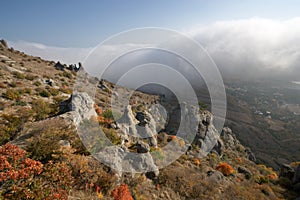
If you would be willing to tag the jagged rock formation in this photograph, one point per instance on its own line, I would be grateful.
(140, 126)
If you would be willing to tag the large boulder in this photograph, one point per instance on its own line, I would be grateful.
(127, 124)
(81, 106)
(121, 160)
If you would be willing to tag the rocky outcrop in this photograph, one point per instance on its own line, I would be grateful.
(3, 43)
(59, 66)
(140, 126)
(80, 105)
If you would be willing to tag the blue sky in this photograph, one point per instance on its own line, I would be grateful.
(80, 23)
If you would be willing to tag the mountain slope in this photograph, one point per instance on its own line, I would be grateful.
(37, 116)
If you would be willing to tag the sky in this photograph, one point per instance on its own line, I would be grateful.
(253, 38)
(81, 24)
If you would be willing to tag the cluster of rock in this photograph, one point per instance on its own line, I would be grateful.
(142, 129)
(71, 67)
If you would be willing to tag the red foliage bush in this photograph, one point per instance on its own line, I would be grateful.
(225, 168)
(121, 193)
(14, 165)
(24, 178)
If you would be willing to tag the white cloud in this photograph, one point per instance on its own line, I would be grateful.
(247, 48)
(254, 46)
(65, 55)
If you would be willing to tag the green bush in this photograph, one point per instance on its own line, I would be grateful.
(44, 93)
(10, 126)
(67, 75)
(41, 109)
(202, 105)
(53, 91)
(19, 75)
(66, 90)
(27, 90)
(108, 114)
(20, 103)
(13, 84)
(37, 83)
(30, 77)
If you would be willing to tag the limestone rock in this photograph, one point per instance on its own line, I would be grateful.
(81, 105)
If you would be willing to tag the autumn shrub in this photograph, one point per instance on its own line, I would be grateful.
(261, 179)
(225, 168)
(267, 173)
(44, 145)
(90, 175)
(196, 161)
(17, 173)
(59, 179)
(24, 178)
(12, 94)
(66, 90)
(112, 135)
(53, 91)
(121, 193)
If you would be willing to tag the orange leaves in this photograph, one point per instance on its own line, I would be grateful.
(12, 152)
(173, 137)
(103, 117)
(272, 176)
(121, 193)
(225, 168)
(98, 109)
(196, 161)
(15, 166)
(238, 159)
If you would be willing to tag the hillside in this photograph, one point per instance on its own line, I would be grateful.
(43, 157)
